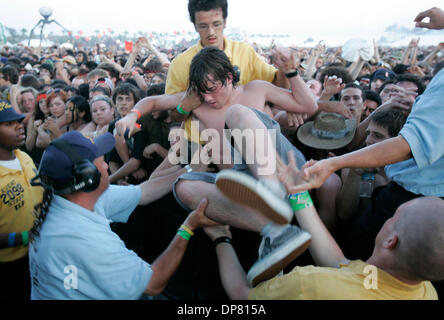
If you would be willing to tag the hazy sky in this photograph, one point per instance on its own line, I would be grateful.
(318, 19)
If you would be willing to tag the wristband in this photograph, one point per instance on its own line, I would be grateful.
(222, 240)
(183, 234)
(299, 201)
(184, 227)
(139, 115)
(25, 238)
(11, 239)
(292, 74)
(181, 111)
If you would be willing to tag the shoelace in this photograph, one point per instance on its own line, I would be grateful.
(270, 246)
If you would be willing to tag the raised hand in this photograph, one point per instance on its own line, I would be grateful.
(312, 175)
(191, 100)
(436, 16)
(332, 85)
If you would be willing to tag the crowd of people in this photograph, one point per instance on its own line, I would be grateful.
(123, 178)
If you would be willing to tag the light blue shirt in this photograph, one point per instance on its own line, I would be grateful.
(78, 256)
(424, 132)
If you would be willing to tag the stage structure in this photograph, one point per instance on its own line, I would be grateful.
(45, 12)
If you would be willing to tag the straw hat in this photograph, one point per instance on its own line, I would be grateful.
(328, 131)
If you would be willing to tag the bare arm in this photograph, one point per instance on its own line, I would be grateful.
(232, 275)
(167, 263)
(380, 154)
(323, 248)
(146, 106)
(355, 68)
(299, 100)
(31, 134)
(127, 169)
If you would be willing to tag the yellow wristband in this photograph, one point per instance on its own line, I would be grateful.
(184, 227)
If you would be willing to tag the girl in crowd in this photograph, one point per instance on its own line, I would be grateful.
(102, 112)
(32, 129)
(78, 113)
(27, 101)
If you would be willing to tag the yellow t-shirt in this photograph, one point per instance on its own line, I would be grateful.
(250, 65)
(354, 281)
(17, 201)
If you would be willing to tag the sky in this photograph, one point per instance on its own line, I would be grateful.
(321, 19)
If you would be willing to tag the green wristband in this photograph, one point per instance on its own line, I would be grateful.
(184, 234)
(299, 201)
(181, 111)
(25, 238)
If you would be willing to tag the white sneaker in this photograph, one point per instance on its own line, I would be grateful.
(266, 196)
(276, 253)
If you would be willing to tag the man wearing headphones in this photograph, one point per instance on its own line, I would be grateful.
(73, 252)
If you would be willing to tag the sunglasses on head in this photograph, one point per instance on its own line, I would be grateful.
(58, 90)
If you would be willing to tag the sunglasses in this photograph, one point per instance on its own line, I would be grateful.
(58, 90)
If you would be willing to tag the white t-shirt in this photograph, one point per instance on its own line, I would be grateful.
(77, 256)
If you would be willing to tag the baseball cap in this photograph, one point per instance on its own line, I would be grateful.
(57, 165)
(383, 74)
(7, 112)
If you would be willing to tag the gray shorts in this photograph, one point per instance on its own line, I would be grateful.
(282, 147)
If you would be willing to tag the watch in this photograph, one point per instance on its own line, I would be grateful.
(292, 74)
(189, 169)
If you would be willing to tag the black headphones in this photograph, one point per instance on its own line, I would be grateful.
(85, 175)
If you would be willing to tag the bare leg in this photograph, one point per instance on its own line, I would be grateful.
(256, 142)
(220, 208)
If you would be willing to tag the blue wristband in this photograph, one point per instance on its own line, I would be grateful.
(11, 239)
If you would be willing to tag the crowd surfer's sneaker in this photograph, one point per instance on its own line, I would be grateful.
(276, 253)
(266, 196)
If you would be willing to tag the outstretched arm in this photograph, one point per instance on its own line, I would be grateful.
(146, 106)
(380, 154)
(168, 262)
(323, 247)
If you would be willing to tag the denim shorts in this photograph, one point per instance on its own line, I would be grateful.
(282, 147)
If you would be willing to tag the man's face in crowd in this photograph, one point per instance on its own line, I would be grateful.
(218, 95)
(124, 103)
(376, 84)
(44, 73)
(352, 99)
(376, 133)
(369, 107)
(210, 26)
(12, 135)
(79, 58)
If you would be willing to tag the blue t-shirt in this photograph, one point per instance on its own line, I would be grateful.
(77, 256)
(424, 132)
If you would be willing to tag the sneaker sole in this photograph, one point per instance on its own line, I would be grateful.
(241, 189)
(277, 261)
